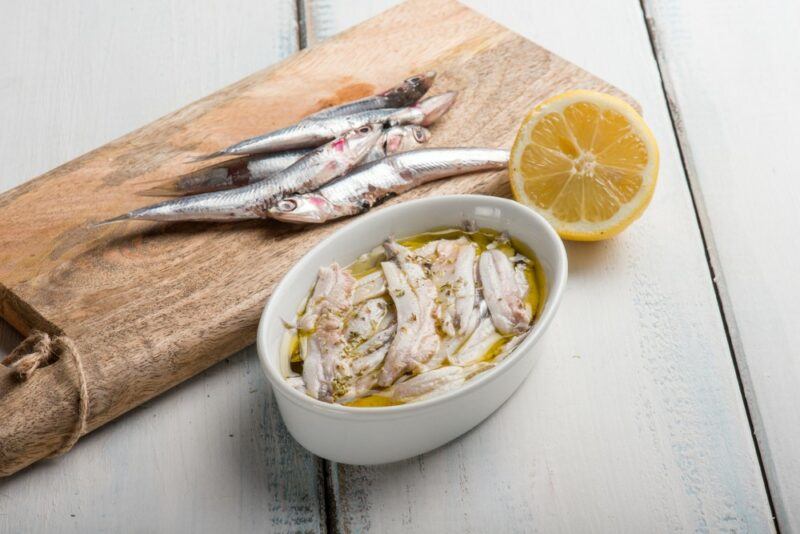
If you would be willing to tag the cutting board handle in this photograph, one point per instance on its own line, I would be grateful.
(23, 375)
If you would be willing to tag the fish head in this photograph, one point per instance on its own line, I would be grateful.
(404, 138)
(347, 151)
(421, 134)
(436, 106)
(308, 208)
(411, 89)
(353, 146)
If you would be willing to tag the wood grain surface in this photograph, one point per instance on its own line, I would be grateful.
(150, 305)
(632, 420)
(729, 70)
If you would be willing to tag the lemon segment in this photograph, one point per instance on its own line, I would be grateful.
(587, 162)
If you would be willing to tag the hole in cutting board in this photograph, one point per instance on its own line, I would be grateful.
(9, 338)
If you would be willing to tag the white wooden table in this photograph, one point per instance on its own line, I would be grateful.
(674, 344)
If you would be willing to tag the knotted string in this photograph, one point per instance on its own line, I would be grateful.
(38, 350)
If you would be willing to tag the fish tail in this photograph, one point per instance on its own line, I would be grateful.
(120, 218)
(206, 180)
(205, 157)
(165, 190)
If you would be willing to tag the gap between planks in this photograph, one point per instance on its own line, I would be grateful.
(707, 239)
(301, 10)
(325, 484)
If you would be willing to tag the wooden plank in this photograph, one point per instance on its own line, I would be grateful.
(730, 70)
(212, 455)
(150, 305)
(632, 421)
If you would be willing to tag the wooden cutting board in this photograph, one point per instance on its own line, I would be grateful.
(149, 305)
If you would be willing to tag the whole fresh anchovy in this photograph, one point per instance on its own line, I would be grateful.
(374, 182)
(400, 96)
(314, 132)
(253, 201)
(234, 173)
(245, 171)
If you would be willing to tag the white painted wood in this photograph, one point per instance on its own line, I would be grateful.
(731, 71)
(632, 421)
(211, 455)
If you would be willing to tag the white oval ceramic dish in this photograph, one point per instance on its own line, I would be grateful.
(379, 435)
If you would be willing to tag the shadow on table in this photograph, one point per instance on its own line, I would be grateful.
(594, 258)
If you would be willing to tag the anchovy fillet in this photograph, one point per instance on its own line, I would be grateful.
(482, 339)
(435, 382)
(504, 295)
(414, 296)
(381, 338)
(367, 320)
(331, 300)
(371, 286)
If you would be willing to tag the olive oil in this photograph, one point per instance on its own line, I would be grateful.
(373, 401)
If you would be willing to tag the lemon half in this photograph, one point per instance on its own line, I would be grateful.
(587, 162)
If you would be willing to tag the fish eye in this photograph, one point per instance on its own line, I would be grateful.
(419, 135)
(287, 205)
(364, 129)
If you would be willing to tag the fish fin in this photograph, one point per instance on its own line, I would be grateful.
(120, 218)
(165, 190)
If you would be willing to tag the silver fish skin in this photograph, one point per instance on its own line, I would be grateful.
(372, 183)
(314, 132)
(402, 95)
(253, 201)
(235, 173)
(434, 107)
(398, 139)
(243, 171)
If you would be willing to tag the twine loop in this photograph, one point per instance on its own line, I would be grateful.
(40, 349)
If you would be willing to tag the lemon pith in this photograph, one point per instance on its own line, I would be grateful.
(587, 162)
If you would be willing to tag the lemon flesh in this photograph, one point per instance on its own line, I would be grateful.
(587, 162)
